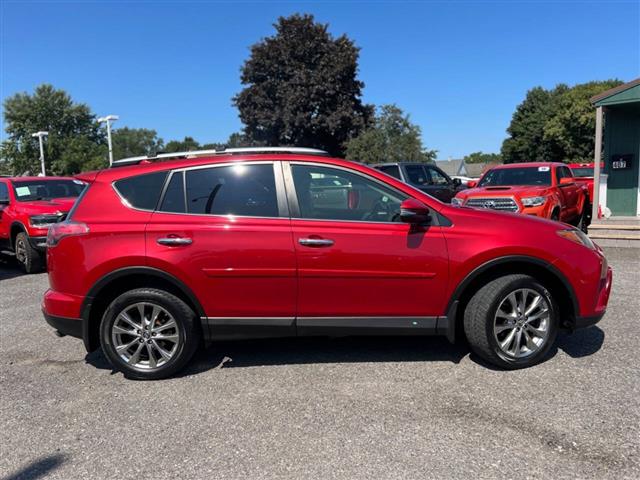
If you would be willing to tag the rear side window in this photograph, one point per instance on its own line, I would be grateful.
(246, 190)
(4, 192)
(142, 191)
(392, 170)
(173, 200)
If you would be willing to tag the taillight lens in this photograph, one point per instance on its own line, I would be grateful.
(65, 229)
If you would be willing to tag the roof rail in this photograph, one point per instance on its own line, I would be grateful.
(228, 151)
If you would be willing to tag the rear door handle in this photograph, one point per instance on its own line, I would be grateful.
(174, 241)
(315, 242)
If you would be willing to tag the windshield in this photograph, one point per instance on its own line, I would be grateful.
(29, 190)
(582, 172)
(516, 176)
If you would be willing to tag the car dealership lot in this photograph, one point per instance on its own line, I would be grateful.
(322, 408)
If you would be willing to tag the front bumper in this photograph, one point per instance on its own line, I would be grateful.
(39, 243)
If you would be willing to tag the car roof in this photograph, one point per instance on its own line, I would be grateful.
(37, 179)
(111, 174)
(529, 164)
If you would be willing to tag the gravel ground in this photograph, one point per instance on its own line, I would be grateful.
(322, 408)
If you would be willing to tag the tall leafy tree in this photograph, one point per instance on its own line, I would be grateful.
(186, 145)
(301, 88)
(481, 157)
(554, 125)
(391, 138)
(132, 142)
(72, 128)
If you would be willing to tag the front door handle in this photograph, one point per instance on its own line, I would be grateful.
(315, 242)
(174, 241)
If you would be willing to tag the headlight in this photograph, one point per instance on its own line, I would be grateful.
(44, 221)
(456, 201)
(577, 236)
(533, 201)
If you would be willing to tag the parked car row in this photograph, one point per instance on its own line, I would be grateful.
(163, 253)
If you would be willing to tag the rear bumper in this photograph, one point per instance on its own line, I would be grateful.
(64, 325)
(584, 322)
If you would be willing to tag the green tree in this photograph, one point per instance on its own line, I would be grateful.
(301, 88)
(70, 125)
(554, 125)
(391, 138)
(481, 157)
(133, 142)
(186, 145)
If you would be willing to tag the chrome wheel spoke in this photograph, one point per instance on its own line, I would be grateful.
(521, 323)
(139, 338)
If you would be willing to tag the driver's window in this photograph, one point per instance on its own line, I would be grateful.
(326, 193)
(436, 177)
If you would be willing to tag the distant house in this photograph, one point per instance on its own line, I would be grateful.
(461, 168)
(453, 167)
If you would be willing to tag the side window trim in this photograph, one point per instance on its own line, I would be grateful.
(292, 198)
(283, 210)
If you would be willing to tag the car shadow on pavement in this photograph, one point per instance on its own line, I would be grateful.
(9, 267)
(39, 468)
(307, 350)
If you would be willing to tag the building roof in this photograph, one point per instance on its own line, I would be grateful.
(626, 93)
(475, 170)
(452, 167)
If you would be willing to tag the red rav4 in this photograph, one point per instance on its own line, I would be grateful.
(28, 206)
(546, 190)
(156, 257)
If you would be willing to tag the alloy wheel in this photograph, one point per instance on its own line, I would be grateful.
(522, 323)
(145, 335)
(21, 251)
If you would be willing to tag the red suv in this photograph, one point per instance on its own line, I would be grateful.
(156, 257)
(28, 206)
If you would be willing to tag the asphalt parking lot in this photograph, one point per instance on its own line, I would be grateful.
(322, 408)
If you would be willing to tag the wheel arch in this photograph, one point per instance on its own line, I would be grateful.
(16, 228)
(554, 280)
(110, 286)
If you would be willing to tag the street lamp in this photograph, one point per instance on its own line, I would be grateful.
(40, 136)
(108, 119)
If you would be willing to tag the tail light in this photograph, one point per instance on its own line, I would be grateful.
(65, 229)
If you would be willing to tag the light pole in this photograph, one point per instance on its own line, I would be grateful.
(40, 136)
(108, 119)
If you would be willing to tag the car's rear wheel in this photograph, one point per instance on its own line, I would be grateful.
(30, 258)
(512, 321)
(149, 334)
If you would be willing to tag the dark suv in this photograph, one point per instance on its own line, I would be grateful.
(425, 176)
(165, 252)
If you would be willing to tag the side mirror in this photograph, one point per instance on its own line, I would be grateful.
(472, 183)
(456, 182)
(414, 212)
(567, 180)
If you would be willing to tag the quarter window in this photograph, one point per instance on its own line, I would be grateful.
(392, 170)
(142, 191)
(4, 191)
(246, 190)
(326, 193)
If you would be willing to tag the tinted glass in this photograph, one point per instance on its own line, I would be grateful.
(516, 176)
(392, 170)
(173, 200)
(248, 190)
(30, 190)
(142, 191)
(4, 191)
(326, 193)
(437, 178)
(583, 172)
(417, 175)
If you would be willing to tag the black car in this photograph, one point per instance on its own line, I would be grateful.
(425, 176)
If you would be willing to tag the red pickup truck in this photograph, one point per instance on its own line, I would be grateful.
(28, 206)
(542, 189)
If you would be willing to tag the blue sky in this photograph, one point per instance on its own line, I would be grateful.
(458, 68)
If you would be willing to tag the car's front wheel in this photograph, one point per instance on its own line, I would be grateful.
(30, 258)
(149, 334)
(512, 321)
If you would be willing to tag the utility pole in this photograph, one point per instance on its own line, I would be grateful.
(40, 136)
(108, 119)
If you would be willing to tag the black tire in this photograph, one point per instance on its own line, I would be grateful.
(555, 215)
(479, 318)
(187, 329)
(30, 258)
